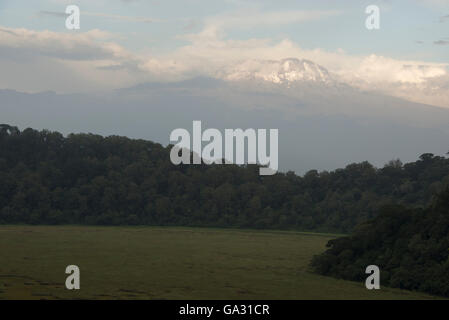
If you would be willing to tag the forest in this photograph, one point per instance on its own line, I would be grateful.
(409, 245)
(48, 178)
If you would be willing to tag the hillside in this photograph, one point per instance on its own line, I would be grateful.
(47, 178)
(410, 246)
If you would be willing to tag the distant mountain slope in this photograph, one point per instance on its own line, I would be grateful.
(322, 123)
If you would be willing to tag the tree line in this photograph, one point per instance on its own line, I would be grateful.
(48, 178)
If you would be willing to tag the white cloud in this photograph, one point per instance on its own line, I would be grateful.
(60, 14)
(379, 69)
(251, 19)
(66, 62)
(439, 3)
(77, 46)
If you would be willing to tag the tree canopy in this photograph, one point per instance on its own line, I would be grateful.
(410, 246)
(47, 178)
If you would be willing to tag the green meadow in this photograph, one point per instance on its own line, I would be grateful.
(170, 263)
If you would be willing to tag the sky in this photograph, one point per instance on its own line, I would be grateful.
(125, 42)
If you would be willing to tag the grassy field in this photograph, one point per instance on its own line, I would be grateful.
(169, 263)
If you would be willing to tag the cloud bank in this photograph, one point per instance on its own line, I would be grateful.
(94, 60)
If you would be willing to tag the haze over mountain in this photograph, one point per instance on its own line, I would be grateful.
(323, 123)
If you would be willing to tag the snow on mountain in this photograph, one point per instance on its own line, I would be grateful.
(422, 84)
(285, 71)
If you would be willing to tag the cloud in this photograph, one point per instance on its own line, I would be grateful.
(379, 69)
(53, 14)
(251, 19)
(83, 61)
(90, 45)
(435, 3)
(444, 18)
(121, 18)
(94, 44)
(441, 42)
(58, 14)
(411, 80)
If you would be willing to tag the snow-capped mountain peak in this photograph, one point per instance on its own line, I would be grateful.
(285, 71)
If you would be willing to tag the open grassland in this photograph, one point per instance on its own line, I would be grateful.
(170, 263)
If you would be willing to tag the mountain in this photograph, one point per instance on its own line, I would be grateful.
(323, 123)
(286, 71)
